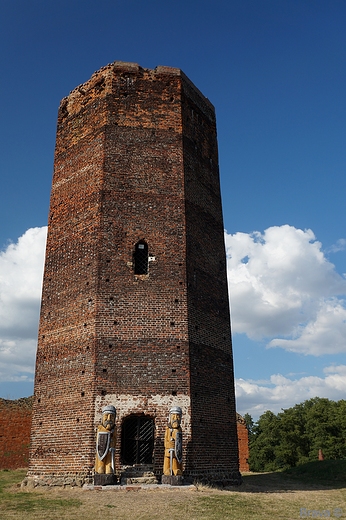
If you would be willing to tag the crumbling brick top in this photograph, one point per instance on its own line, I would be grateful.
(102, 80)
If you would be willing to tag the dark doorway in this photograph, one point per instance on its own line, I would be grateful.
(137, 440)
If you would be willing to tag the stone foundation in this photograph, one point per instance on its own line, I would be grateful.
(105, 480)
(72, 480)
(172, 480)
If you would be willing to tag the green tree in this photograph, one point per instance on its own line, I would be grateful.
(266, 436)
(293, 448)
(326, 428)
(295, 435)
(249, 424)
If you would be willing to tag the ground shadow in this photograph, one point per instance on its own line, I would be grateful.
(281, 482)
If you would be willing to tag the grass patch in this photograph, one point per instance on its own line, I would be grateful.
(28, 502)
(226, 505)
(12, 499)
(280, 495)
(10, 478)
(324, 472)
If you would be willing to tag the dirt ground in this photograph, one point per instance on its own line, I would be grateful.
(259, 497)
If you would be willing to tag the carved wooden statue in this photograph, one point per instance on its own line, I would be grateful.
(105, 442)
(173, 444)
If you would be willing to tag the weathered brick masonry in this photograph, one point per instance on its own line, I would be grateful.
(14, 442)
(243, 443)
(136, 168)
(15, 424)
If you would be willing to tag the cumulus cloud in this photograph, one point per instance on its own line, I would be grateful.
(21, 270)
(325, 333)
(282, 286)
(284, 289)
(280, 392)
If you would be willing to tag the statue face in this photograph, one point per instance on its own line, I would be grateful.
(175, 420)
(108, 421)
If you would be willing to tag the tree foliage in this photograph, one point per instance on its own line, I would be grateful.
(295, 436)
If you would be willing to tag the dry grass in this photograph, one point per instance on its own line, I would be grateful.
(261, 496)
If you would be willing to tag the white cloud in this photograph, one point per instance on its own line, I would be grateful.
(21, 269)
(339, 246)
(280, 392)
(284, 289)
(324, 334)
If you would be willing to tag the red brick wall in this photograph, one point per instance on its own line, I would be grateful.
(14, 443)
(135, 159)
(243, 444)
(15, 424)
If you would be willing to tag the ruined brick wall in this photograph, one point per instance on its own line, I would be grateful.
(135, 161)
(15, 424)
(14, 443)
(243, 444)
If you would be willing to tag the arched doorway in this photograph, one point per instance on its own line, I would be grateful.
(137, 440)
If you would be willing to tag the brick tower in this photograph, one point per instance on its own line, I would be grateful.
(135, 307)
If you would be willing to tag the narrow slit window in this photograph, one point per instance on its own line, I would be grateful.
(141, 258)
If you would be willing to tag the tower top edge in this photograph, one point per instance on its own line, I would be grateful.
(123, 67)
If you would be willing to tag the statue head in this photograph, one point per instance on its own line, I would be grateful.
(175, 414)
(108, 417)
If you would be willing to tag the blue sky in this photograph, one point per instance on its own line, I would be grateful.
(275, 72)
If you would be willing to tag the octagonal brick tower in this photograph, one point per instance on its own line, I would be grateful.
(135, 306)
